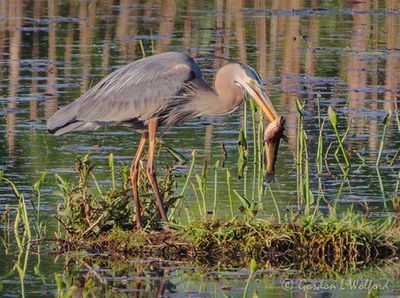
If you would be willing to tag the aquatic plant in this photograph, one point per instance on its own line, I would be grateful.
(333, 118)
(90, 210)
(253, 268)
(330, 243)
(326, 243)
(21, 210)
(305, 196)
(385, 126)
(37, 187)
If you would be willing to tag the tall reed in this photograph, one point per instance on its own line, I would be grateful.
(37, 186)
(385, 126)
(22, 212)
(333, 118)
(216, 165)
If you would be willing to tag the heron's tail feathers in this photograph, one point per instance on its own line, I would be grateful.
(72, 126)
(58, 131)
(64, 121)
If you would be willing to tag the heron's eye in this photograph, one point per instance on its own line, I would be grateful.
(252, 82)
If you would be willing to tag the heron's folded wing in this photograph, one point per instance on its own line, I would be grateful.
(135, 91)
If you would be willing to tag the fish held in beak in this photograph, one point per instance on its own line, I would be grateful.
(272, 137)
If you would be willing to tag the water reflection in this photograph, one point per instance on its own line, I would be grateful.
(291, 68)
(261, 39)
(355, 68)
(51, 89)
(392, 59)
(52, 51)
(14, 26)
(86, 19)
(127, 29)
(107, 42)
(156, 278)
(240, 33)
(68, 41)
(33, 105)
(167, 21)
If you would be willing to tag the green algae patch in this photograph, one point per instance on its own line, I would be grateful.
(324, 245)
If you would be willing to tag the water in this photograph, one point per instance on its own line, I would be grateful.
(51, 52)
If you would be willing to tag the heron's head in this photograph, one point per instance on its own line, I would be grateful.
(249, 80)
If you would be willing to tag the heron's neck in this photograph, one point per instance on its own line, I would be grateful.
(229, 99)
(226, 97)
(229, 95)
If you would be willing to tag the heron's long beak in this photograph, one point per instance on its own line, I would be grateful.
(263, 101)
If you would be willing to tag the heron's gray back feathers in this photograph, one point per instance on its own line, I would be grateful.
(153, 86)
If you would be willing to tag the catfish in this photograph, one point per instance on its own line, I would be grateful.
(272, 137)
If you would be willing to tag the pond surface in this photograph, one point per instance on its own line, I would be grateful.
(347, 51)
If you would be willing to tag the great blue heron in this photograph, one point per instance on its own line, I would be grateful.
(161, 90)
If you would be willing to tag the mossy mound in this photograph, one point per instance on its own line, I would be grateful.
(319, 245)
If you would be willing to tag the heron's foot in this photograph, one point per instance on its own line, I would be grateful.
(167, 232)
(139, 231)
(167, 229)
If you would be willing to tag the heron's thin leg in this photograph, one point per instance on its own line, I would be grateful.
(152, 124)
(134, 178)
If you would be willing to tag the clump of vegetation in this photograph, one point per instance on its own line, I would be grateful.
(100, 222)
(331, 242)
(86, 212)
(327, 244)
(90, 210)
(21, 213)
